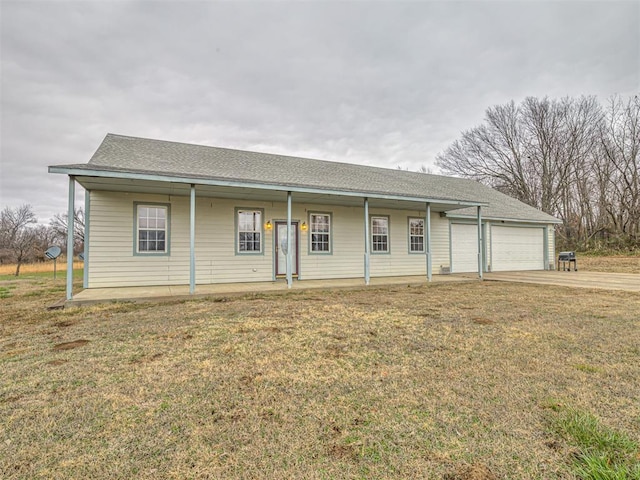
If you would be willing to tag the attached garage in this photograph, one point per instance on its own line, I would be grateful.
(517, 248)
(464, 248)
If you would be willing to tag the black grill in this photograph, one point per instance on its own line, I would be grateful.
(567, 257)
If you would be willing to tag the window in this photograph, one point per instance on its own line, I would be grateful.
(152, 229)
(320, 232)
(249, 231)
(416, 235)
(380, 234)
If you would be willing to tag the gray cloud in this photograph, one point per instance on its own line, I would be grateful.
(384, 84)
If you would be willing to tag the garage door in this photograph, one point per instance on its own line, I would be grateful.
(464, 248)
(517, 248)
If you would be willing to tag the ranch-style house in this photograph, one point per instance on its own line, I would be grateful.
(167, 213)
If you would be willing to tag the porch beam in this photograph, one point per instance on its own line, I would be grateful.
(367, 256)
(70, 225)
(427, 239)
(192, 241)
(479, 217)
(289, 260)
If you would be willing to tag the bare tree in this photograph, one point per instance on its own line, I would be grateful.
(621, 150)
(59, 226)
(17, 235)
(570, 157)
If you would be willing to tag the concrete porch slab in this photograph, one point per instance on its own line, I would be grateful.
(181, 292)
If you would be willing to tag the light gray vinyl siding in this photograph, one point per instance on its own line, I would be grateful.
(113, 262)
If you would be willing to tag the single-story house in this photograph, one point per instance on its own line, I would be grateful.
(167, 213)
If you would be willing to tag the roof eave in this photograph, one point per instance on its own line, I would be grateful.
(504, 219)
(78, 170)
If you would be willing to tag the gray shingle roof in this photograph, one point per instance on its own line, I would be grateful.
(140, 155)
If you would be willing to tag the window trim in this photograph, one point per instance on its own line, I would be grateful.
(424, 236)
(236, 239)
(136, 245)
(380, 252)
(310, 232)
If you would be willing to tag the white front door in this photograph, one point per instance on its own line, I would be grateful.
(281, 248)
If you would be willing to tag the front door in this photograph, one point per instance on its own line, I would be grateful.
(281, 248)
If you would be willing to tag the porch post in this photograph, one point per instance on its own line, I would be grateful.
(87, 221)
(367, 274)
(480, 241)
(70, 230)
(427, 238)
(192, 241)
(289, 260)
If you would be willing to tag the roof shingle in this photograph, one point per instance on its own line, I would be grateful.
(140, 155)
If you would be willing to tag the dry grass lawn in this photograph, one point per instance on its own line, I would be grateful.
(445, 381)
(621, 264)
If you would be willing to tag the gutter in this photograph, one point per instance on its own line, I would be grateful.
(80, 172)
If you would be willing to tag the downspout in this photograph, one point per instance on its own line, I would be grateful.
(367, 257)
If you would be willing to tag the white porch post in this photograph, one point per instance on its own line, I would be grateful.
(427, 238)
(192, 241)
(70, 228)
(87, 226)
(480, 241)
(367, 273)
(289, 259)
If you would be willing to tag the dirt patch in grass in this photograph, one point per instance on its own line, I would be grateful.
(477, 471)
(375, 383)
(70, 345)
(482, 321)
(57, 363)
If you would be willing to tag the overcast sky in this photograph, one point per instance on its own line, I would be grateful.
(379, 83)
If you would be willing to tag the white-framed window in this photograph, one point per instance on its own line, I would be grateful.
(416, 235)
(152, 229)
(249, 231)
(320, 232)
(380, 234)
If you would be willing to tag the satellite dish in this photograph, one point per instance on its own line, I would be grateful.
(53, 252)
(81, 256)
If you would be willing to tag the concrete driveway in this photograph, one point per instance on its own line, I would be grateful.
(608, 281)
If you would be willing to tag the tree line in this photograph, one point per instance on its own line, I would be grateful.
(573, 158)
(23, 240)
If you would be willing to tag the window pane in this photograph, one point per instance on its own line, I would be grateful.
(152, 228)
(320, 232)
(249, 231)
(379, 225)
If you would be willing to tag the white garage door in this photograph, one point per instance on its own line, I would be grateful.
(517, 248)
(464, 248)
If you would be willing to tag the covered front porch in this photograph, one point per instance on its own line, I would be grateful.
(182, 292)
(216, 192)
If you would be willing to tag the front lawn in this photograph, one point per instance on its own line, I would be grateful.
(441, 381)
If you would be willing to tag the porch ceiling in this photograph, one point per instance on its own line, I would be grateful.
(257, 194)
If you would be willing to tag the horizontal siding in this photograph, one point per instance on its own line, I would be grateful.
(113, 263)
